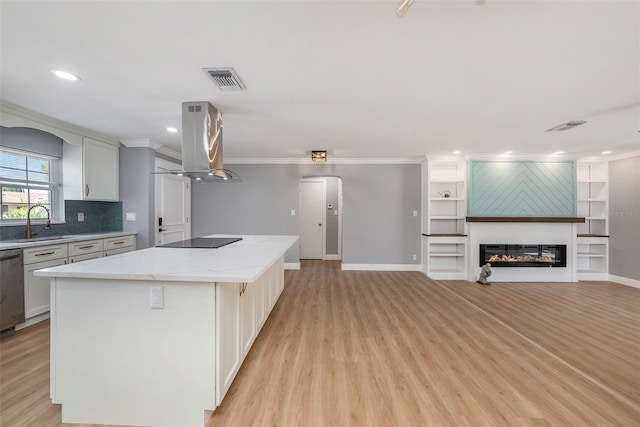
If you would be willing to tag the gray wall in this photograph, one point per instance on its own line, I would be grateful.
(331, 220)
(137, 192)
(624, 217)
(378, 200)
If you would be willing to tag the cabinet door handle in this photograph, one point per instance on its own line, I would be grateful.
(45, 253)
(86, 190)
(86, 247)
(121, 242)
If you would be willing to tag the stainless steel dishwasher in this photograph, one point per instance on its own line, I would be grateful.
(11, 290)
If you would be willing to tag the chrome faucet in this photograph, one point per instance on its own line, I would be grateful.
(30, 233)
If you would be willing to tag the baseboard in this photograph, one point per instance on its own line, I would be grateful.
(625, 281)
(32, 321)
(331, 258)
(292, 266)
(382, 267)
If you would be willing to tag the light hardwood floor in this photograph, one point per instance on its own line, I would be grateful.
(396, 348)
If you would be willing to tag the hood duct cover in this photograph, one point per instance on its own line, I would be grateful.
(202, 143)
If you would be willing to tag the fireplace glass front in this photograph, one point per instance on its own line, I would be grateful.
(528, 255)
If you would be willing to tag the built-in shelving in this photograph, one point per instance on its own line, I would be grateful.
(593, 204)
(446, 238)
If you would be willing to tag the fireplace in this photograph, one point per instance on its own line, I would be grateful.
(527, 255)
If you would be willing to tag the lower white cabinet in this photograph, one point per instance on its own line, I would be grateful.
(36, 289)
(241, 310)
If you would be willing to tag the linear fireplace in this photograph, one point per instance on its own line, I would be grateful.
(527, 255)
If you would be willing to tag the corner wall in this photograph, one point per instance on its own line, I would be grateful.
(624, 218)
(378, 225)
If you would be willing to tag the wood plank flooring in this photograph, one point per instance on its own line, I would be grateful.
(396, 348)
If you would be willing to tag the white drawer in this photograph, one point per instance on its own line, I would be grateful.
(85, 247)
(118, 242)
(45, 253)
(118, 251)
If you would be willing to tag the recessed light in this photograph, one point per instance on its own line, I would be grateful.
(559, 152)
(508, 152)
(65, 75)
(607, 152)
(456, 152)
(170, 129)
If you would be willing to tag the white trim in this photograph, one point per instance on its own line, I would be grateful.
(625, 281)
(582, 277)
(32, 321)
(162, 165)
(345, 160)
(331, 257)
(141, 143)
(292, 266)
(382, 267)
(170, 153)
(16, 116)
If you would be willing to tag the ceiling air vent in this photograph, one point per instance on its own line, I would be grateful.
(566, 126)
(225, 78)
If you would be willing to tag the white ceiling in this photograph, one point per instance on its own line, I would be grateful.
(349, 77)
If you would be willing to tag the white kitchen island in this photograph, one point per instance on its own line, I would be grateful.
(117, 360)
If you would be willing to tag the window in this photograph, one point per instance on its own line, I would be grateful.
(27, 180)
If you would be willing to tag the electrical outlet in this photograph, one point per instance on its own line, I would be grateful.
(415, 257)
(80, 216)
(157, 297)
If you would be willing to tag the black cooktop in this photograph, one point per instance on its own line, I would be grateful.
(202, 242)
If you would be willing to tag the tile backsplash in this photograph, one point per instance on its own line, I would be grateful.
(98, 217)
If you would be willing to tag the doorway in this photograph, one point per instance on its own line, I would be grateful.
(172, 205)
(320, 218)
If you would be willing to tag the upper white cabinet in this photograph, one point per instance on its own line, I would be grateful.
(90, 171)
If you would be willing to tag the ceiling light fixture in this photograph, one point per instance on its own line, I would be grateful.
(508, 152)
(607, 152)
(65, 75)
(319, 156)
(558, 152)
(172, 130)
(456, 152)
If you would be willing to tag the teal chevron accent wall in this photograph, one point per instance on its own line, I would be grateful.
(522, 188)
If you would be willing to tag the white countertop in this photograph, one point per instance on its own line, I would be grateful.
(55, 240)
(242, 261)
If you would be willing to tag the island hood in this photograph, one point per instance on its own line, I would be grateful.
(202, 143)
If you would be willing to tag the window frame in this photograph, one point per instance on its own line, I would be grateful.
(53, 187)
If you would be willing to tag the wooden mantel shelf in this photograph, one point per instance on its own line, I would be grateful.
(524, 219)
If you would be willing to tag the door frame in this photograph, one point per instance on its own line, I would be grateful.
(323, 179)
(162, 165)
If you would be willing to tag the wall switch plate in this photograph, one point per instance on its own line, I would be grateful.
(293, 212)
(157, 297)
(131, 216)
(80, 216)
(415, 213)
(335, 212)
(415, 257)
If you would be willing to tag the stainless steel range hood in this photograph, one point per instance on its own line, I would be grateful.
(202, 143)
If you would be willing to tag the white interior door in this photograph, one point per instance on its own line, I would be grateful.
(312, 219)
(173, 205)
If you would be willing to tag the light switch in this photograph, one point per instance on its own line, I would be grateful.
(415, 213)
(131, 216)
(293, 212)
(335, 212)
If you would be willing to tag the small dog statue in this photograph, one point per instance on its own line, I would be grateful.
(484, 273)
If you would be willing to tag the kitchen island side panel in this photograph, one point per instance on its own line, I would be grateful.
(115, 360)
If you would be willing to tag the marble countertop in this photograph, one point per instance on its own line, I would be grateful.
(54, 240)
(242, 261)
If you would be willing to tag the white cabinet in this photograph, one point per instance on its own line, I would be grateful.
(228, 356)
(90, 171)
(593, 234)
(85, 250)
(241, 310)
(446, 245)
(118, 245)
(36, 289)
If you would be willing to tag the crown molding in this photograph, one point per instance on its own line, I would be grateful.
(334, 161)
(70, 132)
(141, 143)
